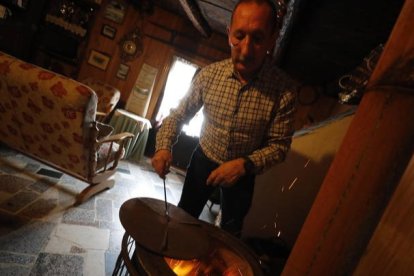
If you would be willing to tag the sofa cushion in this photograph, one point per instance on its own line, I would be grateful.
(9, 124)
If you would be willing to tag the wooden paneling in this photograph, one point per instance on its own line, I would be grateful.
(391, 249)
(164, 35)
(111, 48)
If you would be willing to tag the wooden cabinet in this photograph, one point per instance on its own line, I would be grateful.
(51, 34)
(19, 28)
(62, 35)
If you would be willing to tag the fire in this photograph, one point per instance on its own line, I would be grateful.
(220, 261)
(182, 267)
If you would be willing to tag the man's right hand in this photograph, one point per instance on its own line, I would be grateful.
(161, 162)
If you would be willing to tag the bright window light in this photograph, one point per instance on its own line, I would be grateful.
(178, 82)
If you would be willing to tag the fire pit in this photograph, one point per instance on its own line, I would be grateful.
(219, 253)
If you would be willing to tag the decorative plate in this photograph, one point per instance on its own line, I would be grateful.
(131, 45)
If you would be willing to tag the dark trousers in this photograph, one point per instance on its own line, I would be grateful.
(235, 200)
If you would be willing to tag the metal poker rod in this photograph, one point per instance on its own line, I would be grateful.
(165, 198)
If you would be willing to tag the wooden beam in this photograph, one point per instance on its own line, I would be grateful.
(196, 17)
(367, 168)
(174, 34)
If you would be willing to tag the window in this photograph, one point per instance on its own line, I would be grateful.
(178, 82)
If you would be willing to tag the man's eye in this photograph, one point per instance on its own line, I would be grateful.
(238, 38)
(258, 39)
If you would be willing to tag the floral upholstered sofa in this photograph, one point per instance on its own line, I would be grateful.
(52, 118)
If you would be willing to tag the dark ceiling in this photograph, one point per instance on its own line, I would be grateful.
(216, 12)
(322, 40)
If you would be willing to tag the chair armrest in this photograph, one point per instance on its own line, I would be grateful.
(116, 137)
(120, 139)
(104, 130)
(100, 113)
(101, 116)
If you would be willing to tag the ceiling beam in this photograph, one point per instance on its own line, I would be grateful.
(196, 17)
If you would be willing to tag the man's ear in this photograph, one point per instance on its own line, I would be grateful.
(228, 36)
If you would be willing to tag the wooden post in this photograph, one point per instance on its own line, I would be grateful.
(368, 166)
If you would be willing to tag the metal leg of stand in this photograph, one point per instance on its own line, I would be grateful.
(123, 265)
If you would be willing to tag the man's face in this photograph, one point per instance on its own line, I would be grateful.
(250, 37)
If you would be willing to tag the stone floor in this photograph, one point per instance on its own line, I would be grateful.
(43, 233)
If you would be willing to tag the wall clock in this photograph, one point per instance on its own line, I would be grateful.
(131, 45)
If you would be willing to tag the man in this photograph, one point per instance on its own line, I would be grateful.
(248, 118)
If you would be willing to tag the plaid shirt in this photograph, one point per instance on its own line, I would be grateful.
(253, 120)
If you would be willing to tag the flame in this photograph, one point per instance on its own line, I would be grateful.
(183, 267)
(221, 261)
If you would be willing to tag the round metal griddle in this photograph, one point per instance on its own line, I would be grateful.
(169, 232)
(238, 260)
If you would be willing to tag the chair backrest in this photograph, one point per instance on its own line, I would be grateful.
(108, 96)
(46, 115)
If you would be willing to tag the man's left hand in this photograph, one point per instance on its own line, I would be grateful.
(227, 173)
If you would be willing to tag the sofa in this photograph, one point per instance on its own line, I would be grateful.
(52, 119)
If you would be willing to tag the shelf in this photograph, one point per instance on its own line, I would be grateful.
(73, 28)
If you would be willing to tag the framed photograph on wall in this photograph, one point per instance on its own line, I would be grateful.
(108, 31)
(115, 11)
(122, 71)
(99, 60)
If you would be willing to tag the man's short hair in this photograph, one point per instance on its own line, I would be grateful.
(277, 11)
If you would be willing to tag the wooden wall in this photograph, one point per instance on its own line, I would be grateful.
(164, 34)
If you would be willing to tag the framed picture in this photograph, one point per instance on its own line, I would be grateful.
(99, 60)
(108, 31)
(115, 11)
(122, 71)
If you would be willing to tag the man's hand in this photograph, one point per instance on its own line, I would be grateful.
(227, 173)
(161, 162)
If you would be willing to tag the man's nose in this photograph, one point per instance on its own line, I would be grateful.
(246, 47)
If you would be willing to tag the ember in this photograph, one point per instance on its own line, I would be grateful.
(221, 261)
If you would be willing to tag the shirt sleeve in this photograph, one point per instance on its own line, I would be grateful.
(171, 126)
(276, 142)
